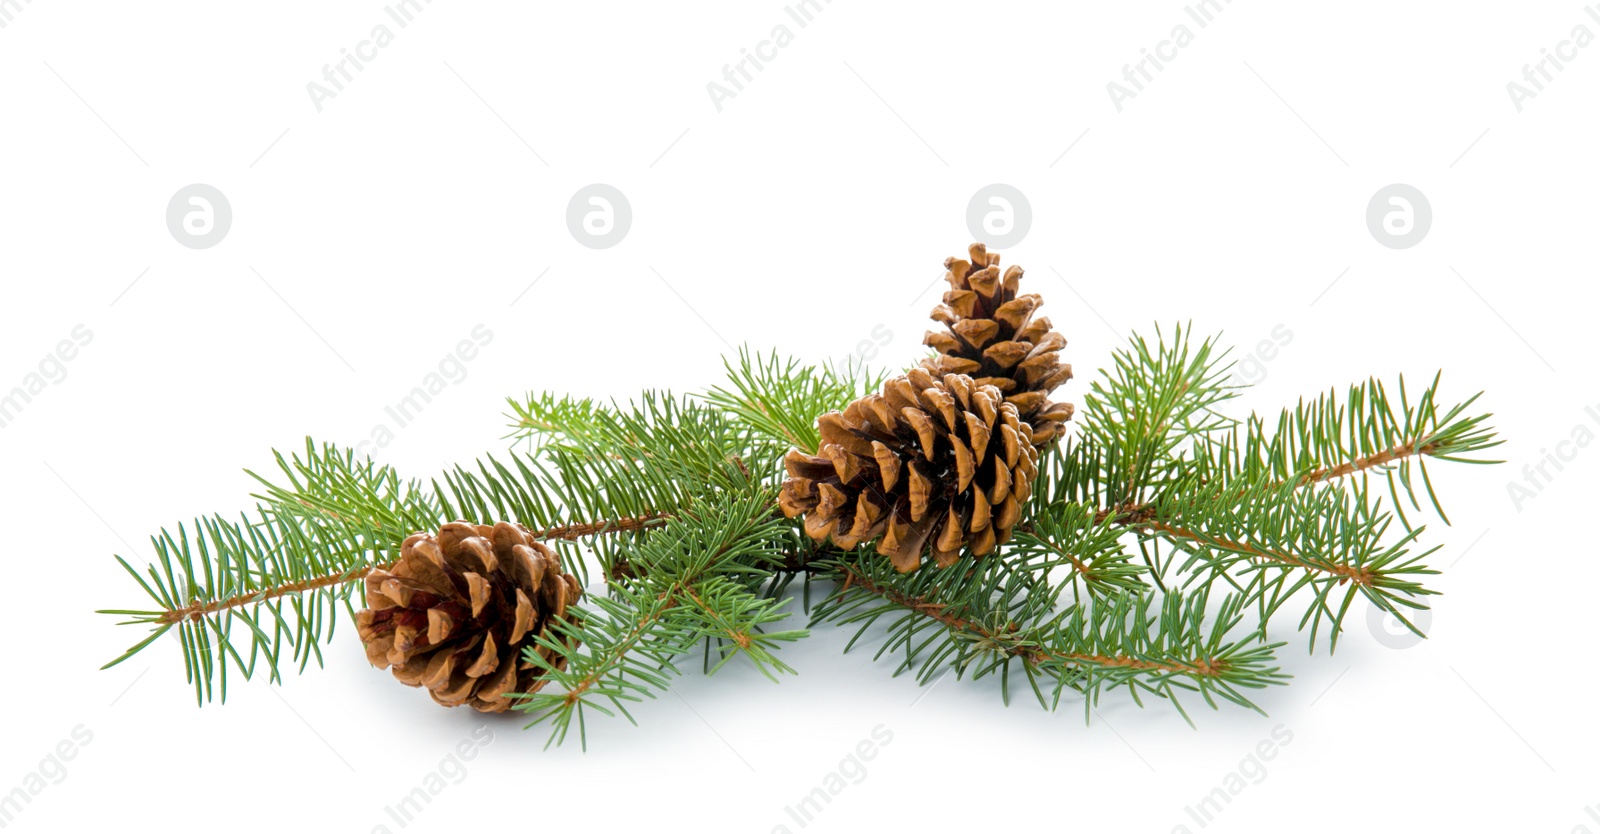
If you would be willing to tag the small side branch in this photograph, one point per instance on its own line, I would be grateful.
(1031, 653)
(1391, 455)
(1141, 515)
(572, 532)
(1360, 576)
(566, 532)
(200, 610)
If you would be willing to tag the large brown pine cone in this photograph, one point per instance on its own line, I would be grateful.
(455, 612)
(934, 466)
(991, 335)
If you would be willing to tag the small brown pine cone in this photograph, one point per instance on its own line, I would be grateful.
(455, 612)
(936, 466)
(990, 334)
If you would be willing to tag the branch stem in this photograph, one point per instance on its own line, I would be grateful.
(567, 532)
(1032, 654)
(1394, 453)
(668, 599)
(1361, 576)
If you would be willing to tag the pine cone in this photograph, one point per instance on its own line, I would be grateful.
(992, 337)
(931, 465)
(455, 612)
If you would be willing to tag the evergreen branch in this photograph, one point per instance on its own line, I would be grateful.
(1085, 542)
(1364, 431)
(693, 583)
(355, 501)
(1340, 570)
(365, 505)
(666, 447)
(779, 401)
(1390, 455)
(1265, 510)
(566, 532)
(1313, 444)
(731, 614)
(673, 497)
(547, 415)
(990, 618)
(329, 518)
(1277, 538)
(1155, 398)
(1004, 641)
(576, 530)
(199, 610)
(241, 568)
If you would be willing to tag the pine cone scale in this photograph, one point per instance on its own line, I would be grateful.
(456, 611)
(939, 462)
(928, 466)
(992, 336)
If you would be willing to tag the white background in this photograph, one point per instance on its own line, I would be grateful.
(372, 236)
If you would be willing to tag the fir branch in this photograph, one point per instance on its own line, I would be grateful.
(263, 574)
(642, 457)
(1266, 511)
(1003, 639)
(1277, 538)
(1326, 440)
(199, 610)
(1087, 543)
(1364, 431)
(573, 531)
(732, 615)
(779, 401)
(990, 618)
(673, 497)
(1154, 399)
(271, 584)
(695, 581)
(547, 415)
(565, 532)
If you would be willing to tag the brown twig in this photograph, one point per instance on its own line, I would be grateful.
(1138, 514)
(567, 532)
(1360, 576)
(1030, 653)
(1141, 516)
(741, 639)
(633, 524)
(1394, 453)
(198, 610)
(669, 599)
